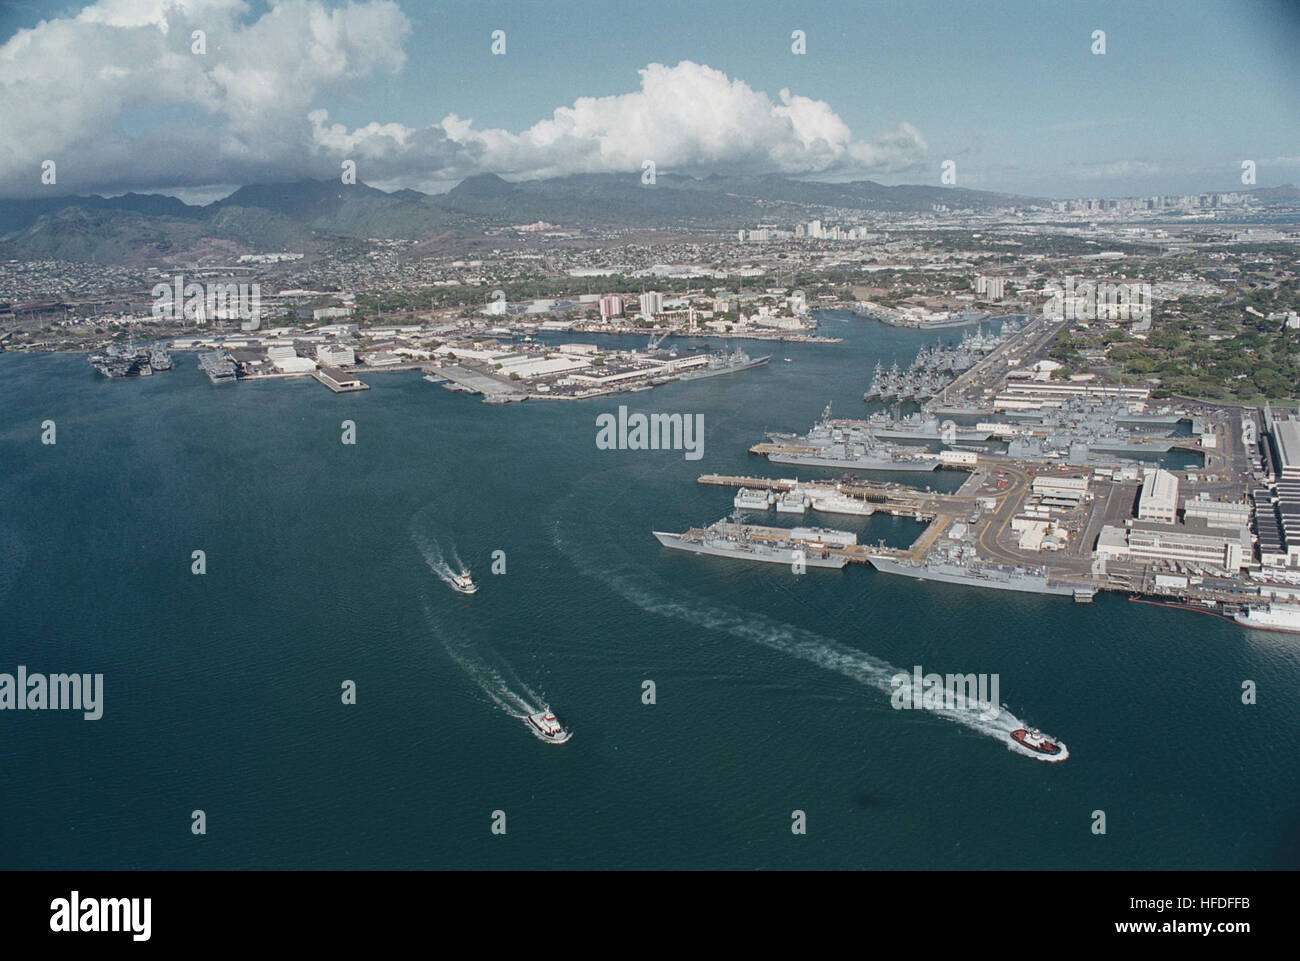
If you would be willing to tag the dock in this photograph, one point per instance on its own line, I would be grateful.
(339, 381)
(496, 390)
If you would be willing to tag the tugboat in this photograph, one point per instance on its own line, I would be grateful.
(463, 583)
(548, 728)
(1035, 740)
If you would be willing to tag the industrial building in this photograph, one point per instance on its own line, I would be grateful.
(1061, 488)
(1159, 498)
(1284, 435)
(1193, 543)
(335, 355)
(286, 360)
(1034, 394)
(1217, 513)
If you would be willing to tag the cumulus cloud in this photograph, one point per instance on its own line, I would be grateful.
(68, 85)
(71, 90)
(687, 118)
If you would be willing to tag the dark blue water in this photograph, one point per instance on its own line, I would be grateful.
(223, 690)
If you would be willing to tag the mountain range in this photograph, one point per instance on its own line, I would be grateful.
(138, 228)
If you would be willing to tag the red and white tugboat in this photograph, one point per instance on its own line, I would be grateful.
(547, 727)
(1036, 741)
(463, 583)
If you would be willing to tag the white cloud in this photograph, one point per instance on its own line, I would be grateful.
(65, 85)
(251, 109)
(686, 118)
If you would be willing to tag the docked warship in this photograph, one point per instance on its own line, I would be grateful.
(964, 567)
(810, 546)
(724, 363)
(117, 361)
(849, 444)
(922, 426)
(935, 367)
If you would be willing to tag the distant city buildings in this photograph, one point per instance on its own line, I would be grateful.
(611, 305)
(990, 288)
(813, 230)
(651, 304)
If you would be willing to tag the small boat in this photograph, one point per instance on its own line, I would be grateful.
(1035, 740)
(547, 727)
(463, 583)
(786, 359)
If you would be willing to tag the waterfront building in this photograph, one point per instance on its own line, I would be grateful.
(1195, 543)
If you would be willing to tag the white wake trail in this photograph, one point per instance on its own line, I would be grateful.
(795, 641)
(489, 680)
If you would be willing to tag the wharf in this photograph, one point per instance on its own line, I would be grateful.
(338, 380)
(480, 383)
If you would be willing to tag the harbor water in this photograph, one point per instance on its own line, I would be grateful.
(326, 563)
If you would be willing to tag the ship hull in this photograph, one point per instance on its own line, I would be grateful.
(784, 556)
(853, 463)
(1281, 628)
(1025, 585)
(697, 374)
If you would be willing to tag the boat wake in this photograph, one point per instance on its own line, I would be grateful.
(499, 683)
(643, 590)
(435, 559)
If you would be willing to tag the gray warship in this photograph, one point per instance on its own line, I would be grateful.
(723, 363)
(116, 361)
(219, 367)
(849, 444)
(809, 545)
(963, 567)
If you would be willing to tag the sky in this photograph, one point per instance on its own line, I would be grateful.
(1012, 93)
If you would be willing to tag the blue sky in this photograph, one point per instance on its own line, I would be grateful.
(1008, 90)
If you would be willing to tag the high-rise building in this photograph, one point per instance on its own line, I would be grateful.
(611, 305)
(651, 304)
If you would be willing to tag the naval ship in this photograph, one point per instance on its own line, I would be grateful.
(1271, 617)
(219, 367)
(848, 444)
(965, 569)
(810, 546)
(723, 363)
(921, 426)
(117, 361)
